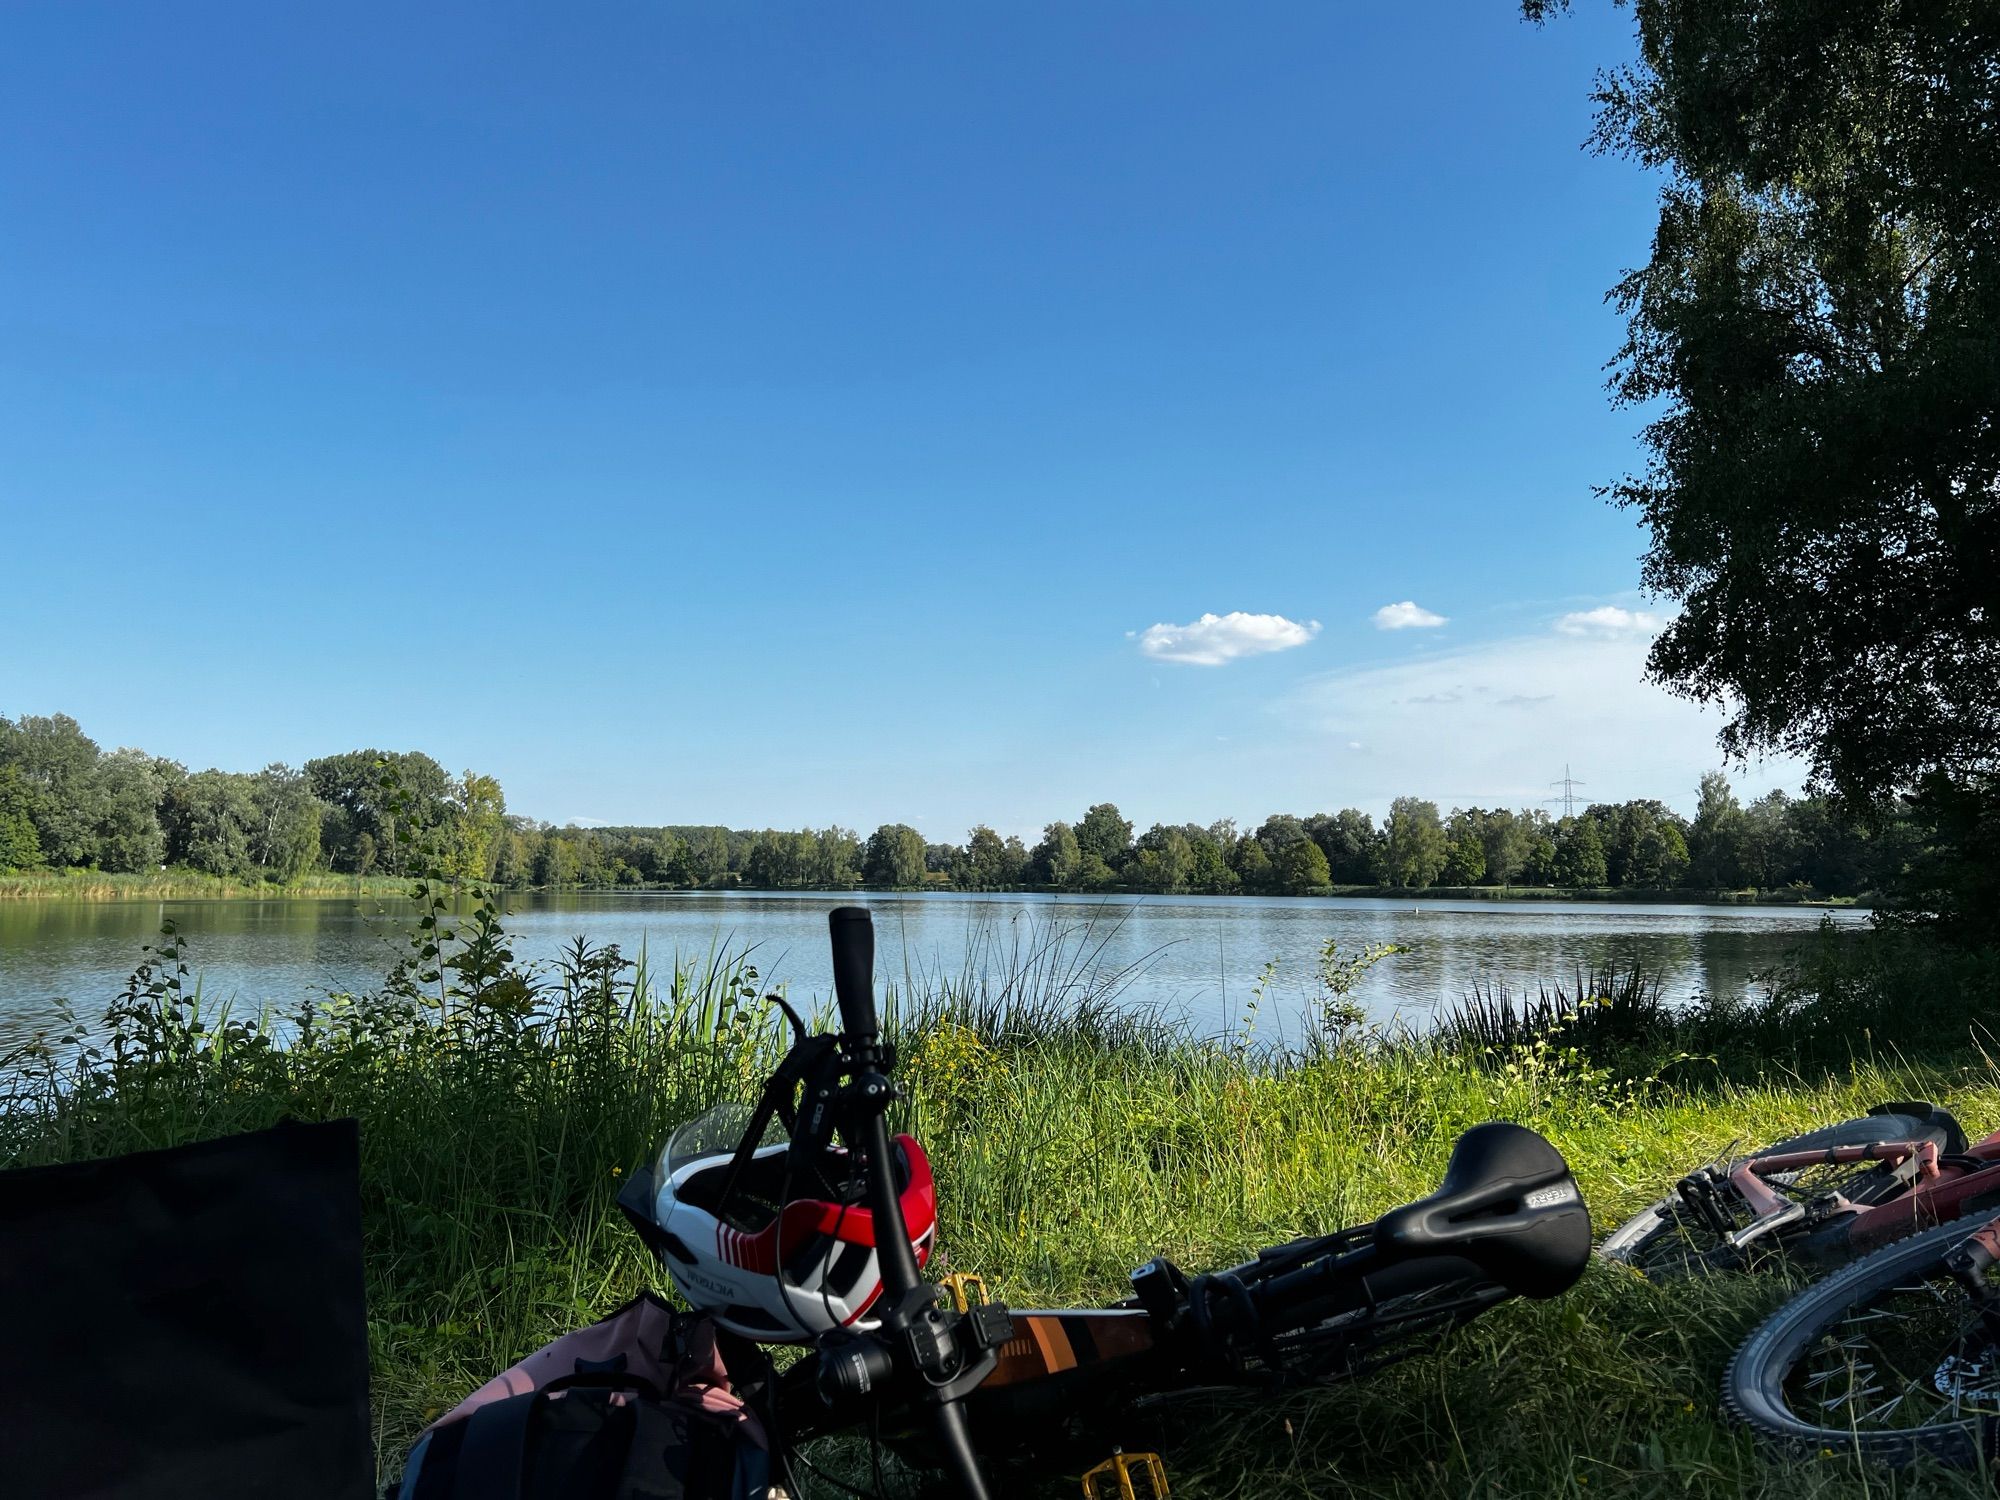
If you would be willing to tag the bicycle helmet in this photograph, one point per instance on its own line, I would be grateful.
(773, 1256)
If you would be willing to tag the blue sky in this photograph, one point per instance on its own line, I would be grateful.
(782, 414)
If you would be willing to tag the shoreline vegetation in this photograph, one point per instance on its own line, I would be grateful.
(70, 809)
(501, 1106)
(192, 885)
(195, 885)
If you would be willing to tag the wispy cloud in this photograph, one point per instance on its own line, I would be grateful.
(1491, 723)
(1408, 615)
(1214, 640)
(1608, 620)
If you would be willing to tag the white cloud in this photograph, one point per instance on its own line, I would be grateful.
(1609, 620)
(1215, 639)
(1409, 615)
(1491, 724)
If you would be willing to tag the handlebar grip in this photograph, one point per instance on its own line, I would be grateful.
(853, 933)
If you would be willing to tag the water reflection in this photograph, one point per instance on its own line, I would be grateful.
(1194, 957)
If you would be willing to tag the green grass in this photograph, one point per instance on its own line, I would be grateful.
(1071, 1144)
(188, 885)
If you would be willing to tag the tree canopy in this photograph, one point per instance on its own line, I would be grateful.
(1817, 335)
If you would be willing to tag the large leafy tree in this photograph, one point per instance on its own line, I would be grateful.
(212, 821)
(1058, 858)
(1716, 839)
(285, 836)
(63, 794)
(1163, 860)
(1301, 867)
(894, 856)
(1579, 860)
(1350, 843)
(372, 795)
(1106, 833)
(1414, 852)
(20, 846)
(1817, 336)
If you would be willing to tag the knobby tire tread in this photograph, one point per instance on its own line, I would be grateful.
(1753, 1384)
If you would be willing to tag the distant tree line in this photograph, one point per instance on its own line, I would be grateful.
(65, 803)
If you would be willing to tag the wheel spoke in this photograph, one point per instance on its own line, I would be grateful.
(1915, 1353)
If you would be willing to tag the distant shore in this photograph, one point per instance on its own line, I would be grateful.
(191, 885)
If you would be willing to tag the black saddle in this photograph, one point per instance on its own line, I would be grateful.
(1919, 1120)
(1507, 1204)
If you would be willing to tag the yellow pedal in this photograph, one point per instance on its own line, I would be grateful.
(1127, 1476)
(960, 1284)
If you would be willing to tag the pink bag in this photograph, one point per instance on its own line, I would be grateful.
(639, 1403)
(675, 1351)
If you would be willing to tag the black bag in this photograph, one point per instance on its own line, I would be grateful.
(597, 1437)
(187, 1323)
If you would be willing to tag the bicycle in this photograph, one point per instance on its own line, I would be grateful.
(1817, 1200)
(774, 1234)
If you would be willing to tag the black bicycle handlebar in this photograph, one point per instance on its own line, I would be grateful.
(853, 934)
(852, 930)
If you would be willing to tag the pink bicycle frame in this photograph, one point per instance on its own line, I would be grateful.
(1935, 1194)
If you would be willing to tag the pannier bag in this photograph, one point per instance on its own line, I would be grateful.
(187, 1322)
(636, 1407)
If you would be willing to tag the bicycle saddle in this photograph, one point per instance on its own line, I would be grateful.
(1921, 1120)
(1507, 1204)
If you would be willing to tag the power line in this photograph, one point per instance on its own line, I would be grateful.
(1569, 784)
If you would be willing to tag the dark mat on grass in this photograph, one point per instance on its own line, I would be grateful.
(187, 1323)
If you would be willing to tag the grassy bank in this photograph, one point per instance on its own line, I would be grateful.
(190, 885)
(1071, 1144)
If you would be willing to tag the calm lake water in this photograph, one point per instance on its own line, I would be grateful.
(1192, 956)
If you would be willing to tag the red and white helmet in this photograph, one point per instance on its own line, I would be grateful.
(782, 1261)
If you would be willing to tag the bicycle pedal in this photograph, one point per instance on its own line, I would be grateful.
(960, 1284)
(1127, 1476)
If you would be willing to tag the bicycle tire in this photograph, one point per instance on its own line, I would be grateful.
(1754, 1385)
(1644, 1240)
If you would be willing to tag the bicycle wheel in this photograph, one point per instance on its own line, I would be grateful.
(1892, 1356)
(1677, 1237)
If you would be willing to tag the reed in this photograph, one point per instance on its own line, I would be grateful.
(189, 885)
(1611, 1010)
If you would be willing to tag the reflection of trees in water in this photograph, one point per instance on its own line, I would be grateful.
(1687, 963)
(1739, 964)
(1195, 958)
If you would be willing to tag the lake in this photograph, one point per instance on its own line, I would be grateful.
(1194, 957)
